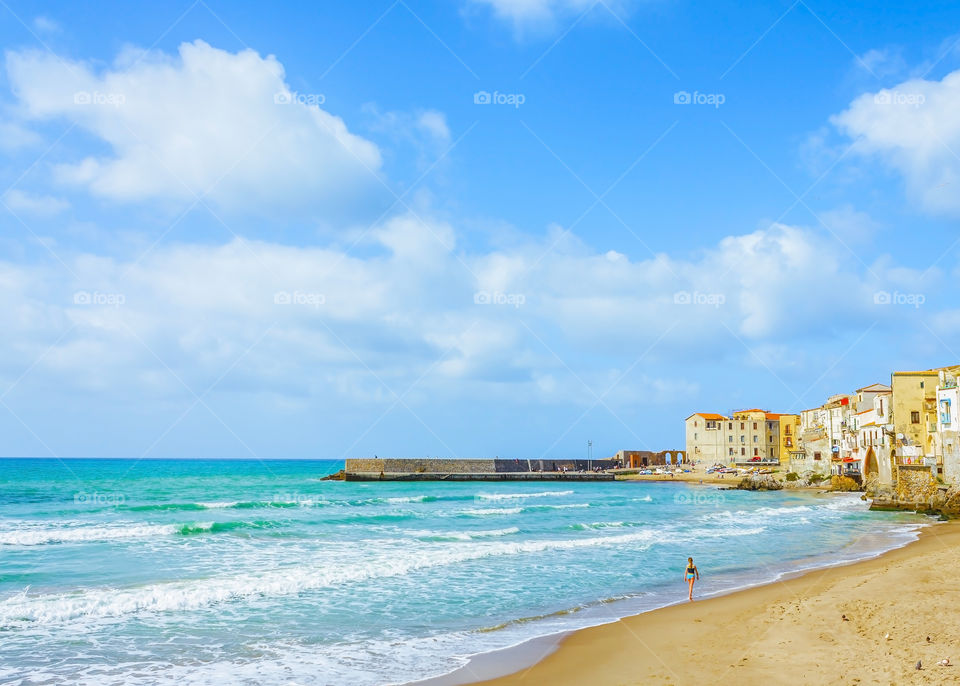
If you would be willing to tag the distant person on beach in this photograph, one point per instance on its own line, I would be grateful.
(690, 575)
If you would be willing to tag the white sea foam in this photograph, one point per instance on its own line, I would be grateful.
(219, 505)
(182, 596)
(460, 535)
(407, 499)
(511, 496)
(35, 535)
(492, 511)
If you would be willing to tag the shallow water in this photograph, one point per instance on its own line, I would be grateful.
(194, 572)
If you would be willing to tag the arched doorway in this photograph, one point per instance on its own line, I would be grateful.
(870, 464)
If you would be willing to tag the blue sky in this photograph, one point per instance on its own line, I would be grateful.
(229, 231)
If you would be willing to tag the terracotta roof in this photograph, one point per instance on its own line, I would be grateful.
(708, 415)
(865, 411)
(773, 415)
(873, 386)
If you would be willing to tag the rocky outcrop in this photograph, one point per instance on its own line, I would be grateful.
(844, 484)
(760, 482)
(917, 489)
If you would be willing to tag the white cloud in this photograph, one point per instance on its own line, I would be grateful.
(204, 121)
(533, 11)
(33, 204)
(15, 137)
(46, 25)
(850, 225)
(416, 304)
(913, 128)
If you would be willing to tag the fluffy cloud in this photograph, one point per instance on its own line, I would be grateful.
(913, 127)
(541, 13)
(415, 304)
(44, 206)
(206, 121)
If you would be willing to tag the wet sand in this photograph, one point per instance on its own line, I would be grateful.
(787, 632)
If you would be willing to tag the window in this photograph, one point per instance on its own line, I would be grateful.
(741, 425)
(731, 451)
(743, 438)
(694, 422)
(755, 452)
(769, 438)
(771, 452)
(743, 451)
(729, 439)
(754, 438)
(730, 426)
(914, 417)
(694, 436)
(754, 426)
(816, 456)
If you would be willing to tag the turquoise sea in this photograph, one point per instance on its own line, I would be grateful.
(257, 572)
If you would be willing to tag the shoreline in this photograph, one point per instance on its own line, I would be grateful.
(504, 666)
(768, 633)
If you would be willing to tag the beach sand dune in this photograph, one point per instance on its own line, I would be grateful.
(866, 623)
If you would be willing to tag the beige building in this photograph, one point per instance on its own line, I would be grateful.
(705, 437)
(745, 436)
(915, 417)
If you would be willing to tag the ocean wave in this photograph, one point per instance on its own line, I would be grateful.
(34, 534)
(484, 512)
(427, 535)
(603, 525)
(43, 535)
(224, 505)
(511, 496)
(180, 596)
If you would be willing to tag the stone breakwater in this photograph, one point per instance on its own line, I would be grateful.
(497, 469)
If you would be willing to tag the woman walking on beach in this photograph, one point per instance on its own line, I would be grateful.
(690, 575)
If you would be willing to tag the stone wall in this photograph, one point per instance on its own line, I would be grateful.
(453, 466)
(420, 465)
(915, 484)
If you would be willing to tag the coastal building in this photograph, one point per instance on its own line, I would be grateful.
(745, 436)
(872, 430)
(789, 428)
(948, 422)
(706, 437)
(915, 417)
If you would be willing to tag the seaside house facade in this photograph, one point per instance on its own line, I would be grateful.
(744, 436)
(948, 422)
(915, 417)
(887, 434)
(789, 428)
(706, 437)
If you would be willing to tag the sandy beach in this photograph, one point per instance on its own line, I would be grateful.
(788, 632)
